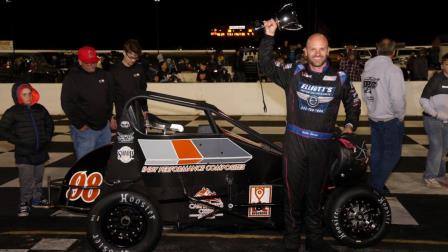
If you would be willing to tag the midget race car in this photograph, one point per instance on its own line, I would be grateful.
(160, 172)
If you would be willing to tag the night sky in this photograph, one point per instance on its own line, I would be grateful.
(68, 24)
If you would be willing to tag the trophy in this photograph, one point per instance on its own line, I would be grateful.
(286, 19)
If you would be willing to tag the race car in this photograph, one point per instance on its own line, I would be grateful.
(218, 173)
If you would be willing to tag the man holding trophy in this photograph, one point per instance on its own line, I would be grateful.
(314, 92)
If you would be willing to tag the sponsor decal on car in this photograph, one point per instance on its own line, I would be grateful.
(203, 151)
(81, 180)
(202, 210)
(125, 154)
(125, 138)
(260, 194)
(193, 168)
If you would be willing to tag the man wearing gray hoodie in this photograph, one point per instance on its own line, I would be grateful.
(434, 101)
(385, 97)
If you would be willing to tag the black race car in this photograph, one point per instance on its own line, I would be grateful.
(159, 172)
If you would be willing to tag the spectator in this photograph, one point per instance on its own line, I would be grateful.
(30, 128)
(218, 73)
(420, 67)
(189, 66)
(291, 55)
(160, 57)
(203, 75)
(215, 69)
(182, 65)
(172, 68)
(150, 70)
(284, 50)
(87, 98)
(220, 58)
(339, 58)
(164, 74)
(151, 74)
(129, 77)
(409, 71)
(435, 118)
(212, 63)
(238, 69)
(385, 96)
(352, 66)
(279, 61)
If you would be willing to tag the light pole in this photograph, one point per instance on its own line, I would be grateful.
(157, 3)
(10, 9)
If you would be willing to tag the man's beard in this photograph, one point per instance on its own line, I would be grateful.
(317, 64)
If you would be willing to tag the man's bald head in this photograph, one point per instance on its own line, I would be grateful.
(317, 50)
(317, 38)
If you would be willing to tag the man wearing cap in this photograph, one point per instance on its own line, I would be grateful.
(86, 98)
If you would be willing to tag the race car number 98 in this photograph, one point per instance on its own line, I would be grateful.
(80, 179)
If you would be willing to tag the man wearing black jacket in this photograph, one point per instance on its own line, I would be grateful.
(314, 92)
(87, 100)
(129, 77)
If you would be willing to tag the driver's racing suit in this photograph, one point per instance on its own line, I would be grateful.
(313, 101)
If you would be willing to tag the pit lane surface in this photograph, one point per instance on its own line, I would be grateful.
(420, 215)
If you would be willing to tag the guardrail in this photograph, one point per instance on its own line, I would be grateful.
(231, 98)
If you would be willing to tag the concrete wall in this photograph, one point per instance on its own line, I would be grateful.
(231, 98)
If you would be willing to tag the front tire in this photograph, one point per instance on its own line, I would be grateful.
(358, 217)
(124, 221)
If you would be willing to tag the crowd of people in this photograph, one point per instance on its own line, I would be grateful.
(416, 67)
(89, 94)
(52, 68)
(214, 67)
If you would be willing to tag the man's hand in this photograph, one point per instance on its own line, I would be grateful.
(348, 129)
(269, 27)
(113, 123)
(84, 128)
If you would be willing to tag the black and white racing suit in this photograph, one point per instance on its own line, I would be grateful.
(313, 101)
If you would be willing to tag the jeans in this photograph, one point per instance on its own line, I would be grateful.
(30, 178)
(89, 140)
(438, 147)
(387, 138)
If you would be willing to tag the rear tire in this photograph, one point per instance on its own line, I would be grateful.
(124, 221)
(358, 217)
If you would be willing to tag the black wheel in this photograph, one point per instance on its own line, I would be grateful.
(358, 217)
(124, 221)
